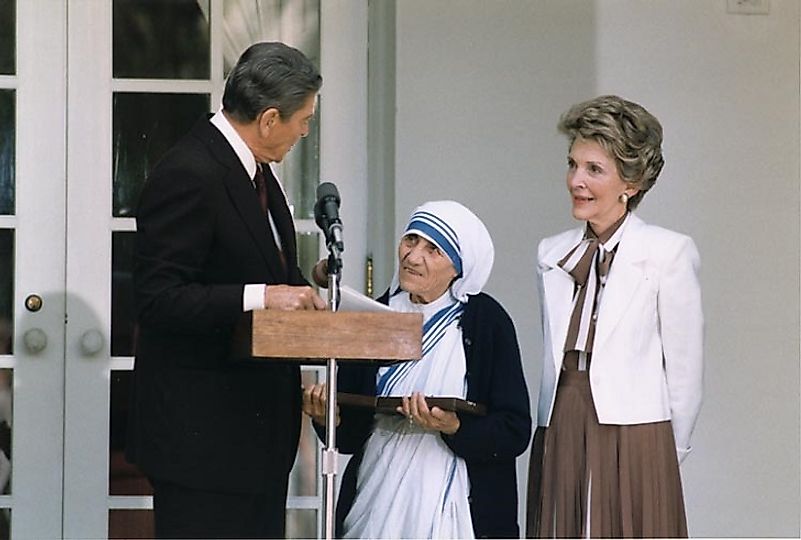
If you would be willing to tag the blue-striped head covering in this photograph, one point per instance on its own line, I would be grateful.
(460, 235)
(437, 231)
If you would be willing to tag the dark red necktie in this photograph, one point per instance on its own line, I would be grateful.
(261, 189)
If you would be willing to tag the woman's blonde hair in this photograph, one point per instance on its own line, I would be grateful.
(630, 135)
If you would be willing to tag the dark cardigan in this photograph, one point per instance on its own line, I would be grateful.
(489, 444)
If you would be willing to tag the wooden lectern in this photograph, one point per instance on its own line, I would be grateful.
(312, 337)
(315, 337)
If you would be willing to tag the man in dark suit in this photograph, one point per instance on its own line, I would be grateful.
(217, 436)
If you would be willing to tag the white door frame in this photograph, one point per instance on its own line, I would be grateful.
(88, 279)
(37, 436)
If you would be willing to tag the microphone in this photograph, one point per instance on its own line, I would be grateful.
(326, 214)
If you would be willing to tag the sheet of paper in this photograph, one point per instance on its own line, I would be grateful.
(352, 300)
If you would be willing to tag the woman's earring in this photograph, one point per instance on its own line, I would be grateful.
(624, 198)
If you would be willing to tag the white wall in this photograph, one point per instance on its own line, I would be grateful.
(480, 86)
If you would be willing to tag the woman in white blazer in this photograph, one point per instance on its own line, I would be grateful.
(623, 338)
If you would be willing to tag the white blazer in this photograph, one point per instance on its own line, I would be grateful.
(647, 359)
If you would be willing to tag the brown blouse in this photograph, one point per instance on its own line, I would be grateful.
(588, 264)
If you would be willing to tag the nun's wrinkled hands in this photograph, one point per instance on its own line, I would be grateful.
(416, 410)
(315, 398)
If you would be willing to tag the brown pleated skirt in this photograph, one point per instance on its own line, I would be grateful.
(618, 480)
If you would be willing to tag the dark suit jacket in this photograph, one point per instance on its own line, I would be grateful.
(489, 444)
(199, 418)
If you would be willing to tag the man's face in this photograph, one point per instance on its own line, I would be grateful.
(277, 136)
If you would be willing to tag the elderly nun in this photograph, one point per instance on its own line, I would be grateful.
(431, 473)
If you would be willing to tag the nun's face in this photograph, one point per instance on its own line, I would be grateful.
(424, 271)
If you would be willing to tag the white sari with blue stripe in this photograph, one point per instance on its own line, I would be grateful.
(410, 484)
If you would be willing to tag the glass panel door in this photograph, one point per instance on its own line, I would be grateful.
(136, 86)
(137, 74)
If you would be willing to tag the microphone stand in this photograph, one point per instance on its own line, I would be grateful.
(329, 454)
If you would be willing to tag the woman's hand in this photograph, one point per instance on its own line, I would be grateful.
(416, 410)
(315, 398)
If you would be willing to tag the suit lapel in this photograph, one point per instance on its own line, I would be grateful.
(243, 197)
(558, 292)
(246, 203)
(279, 210)
(626, 277)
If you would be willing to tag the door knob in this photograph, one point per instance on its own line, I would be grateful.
(33, 302)
(35, 340)
(91, 342)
